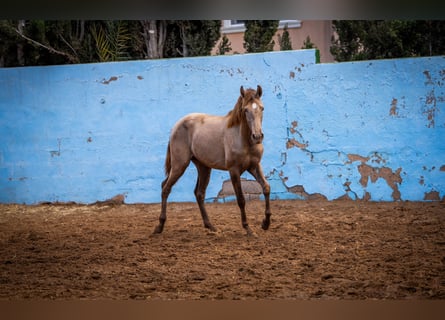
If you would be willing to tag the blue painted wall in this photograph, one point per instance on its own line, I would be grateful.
(364, 130)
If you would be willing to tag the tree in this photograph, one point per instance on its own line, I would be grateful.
(41, 42)
(308, 44)
(154, 32)
(189, 38)
(202, 36)
(224, 46)
(284, 40)
(360, 40)
(35, 43)
(9, 40)
(258, 35)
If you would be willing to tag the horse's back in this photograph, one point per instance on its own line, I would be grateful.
(197, 123)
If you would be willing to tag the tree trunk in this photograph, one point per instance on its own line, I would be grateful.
(82, 30)
(183, 33)
(154, 33)
(20, 53)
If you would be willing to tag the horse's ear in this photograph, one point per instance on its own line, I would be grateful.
(259, 91)
(241, 90)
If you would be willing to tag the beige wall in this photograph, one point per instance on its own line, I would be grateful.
(320, 32)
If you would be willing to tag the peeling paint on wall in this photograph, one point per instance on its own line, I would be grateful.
(356, 157)
(113, 78)
(394, 110)
(432, 196)
(370, 130)
(294, 143)
(371, 173)
(432, 101)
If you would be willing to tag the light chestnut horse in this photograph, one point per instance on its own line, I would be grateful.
(232, 142)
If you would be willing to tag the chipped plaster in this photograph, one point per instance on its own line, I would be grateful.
(370, 130)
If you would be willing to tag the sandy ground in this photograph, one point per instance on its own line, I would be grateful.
(313, 250)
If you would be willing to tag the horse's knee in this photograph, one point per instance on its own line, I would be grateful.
(266, 189)
(199, 195)
(163, 184)
(165, 192)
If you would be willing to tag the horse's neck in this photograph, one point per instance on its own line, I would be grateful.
(245, 133)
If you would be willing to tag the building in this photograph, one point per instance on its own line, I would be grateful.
(319, 31)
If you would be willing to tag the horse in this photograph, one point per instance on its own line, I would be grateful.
(232, 142)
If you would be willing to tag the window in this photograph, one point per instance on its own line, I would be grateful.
(233, 26)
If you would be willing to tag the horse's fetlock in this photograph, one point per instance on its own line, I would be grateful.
(199, 196)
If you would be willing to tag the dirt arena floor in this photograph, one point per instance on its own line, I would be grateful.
(313, 250)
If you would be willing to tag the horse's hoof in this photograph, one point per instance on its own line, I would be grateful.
(265, 225)
(158, 230)
(210, 227)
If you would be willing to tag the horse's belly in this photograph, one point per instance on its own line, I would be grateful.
(209, 152)
(210, 158)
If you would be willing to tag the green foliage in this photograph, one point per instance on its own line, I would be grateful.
(189, 38)
(112, 40)
(284, 40)
(362, 40)
(224, 45)
(8, 40)
(258, 35)
(202, 36)
(41, 42)
(308, 44)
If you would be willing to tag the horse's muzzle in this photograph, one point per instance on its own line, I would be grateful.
(257, 138)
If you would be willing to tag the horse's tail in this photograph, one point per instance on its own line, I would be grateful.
(168, 162)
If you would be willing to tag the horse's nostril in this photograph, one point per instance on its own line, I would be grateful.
(257, 137)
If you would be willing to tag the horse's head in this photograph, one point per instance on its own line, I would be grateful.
(252, 107)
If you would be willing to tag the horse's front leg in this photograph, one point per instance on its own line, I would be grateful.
(257, 173)
(236, 182)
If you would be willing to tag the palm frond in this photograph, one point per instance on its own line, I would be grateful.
(112, 41)
(103, 49)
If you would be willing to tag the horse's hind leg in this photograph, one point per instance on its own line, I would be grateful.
(176, 171)
(200, 191)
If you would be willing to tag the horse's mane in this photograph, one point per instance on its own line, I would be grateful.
(236, 115)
